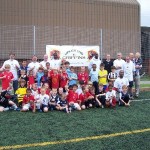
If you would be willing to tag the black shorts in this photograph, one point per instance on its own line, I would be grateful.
(131, 84)
(43, 106)
(4, 103)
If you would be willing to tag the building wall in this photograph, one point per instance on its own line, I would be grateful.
(68, 22)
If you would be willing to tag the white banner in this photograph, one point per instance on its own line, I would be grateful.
(76, 55)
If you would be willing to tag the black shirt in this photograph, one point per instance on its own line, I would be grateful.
(108, 65)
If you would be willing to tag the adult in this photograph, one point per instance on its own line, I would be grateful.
(43, 63)
(34, 65)
(118, 63)
(14, 66)
(129, 70)
(94, 60)
(108, 63)
(55, 62)
(131, 55)
(120, 81)
(138, 66)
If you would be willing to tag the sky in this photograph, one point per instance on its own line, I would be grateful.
(145, 12)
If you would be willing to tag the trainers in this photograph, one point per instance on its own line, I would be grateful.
(131, 98)
(17, 109)
(6, 109)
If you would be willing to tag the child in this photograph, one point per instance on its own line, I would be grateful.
(79, 90)
(93, 76)
(100, 97)
(7, 77)
(54, 100)
(55, 78)
(86, 98)
(112, 76)
(46, 86)
(28, 102)
(43, 99)
(6, 102)
(63, 78)
(83, 75)
(60, 91)
(72, 77)
(21, 91)
(110, 97)
(39, 74)
(103, 76)
(124, 99)
(23, 76)
(73, 99)
(48, 68)
(67, 65)
(24, 66)
(44, 78)
(63, 104)
(31, 79)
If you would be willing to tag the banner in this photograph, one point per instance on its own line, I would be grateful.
(76, 55)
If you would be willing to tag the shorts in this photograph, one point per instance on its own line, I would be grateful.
(43, 106)
(74, 106)
(130, 84)
(26, 107)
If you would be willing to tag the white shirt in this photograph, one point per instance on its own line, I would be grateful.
(128, 69)
(118, 63)
(119, 82)
(111, 94)
(44, 99)
(36, 66)
(13, 63)
(55, 63)
(43, 63)
(94, 61)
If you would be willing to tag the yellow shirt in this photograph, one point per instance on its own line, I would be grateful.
(21, 93)
(103, 80)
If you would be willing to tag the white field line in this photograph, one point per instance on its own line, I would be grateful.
(140, 100)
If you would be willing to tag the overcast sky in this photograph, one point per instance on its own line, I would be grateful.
(145, 12)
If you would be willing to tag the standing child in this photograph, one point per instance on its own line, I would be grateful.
(7, 78)
(28, 102)
(124, 99)
(45, 78)
(63, 78)
(103, 76)
(110, 97)
(112, 76)
(23, 76)
(21, 91)
(39, 74)
(31, 79)
(24, 66)
(72, 77)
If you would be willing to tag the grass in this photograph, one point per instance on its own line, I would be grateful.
(25, 128)
(145, 85)
(145, 78)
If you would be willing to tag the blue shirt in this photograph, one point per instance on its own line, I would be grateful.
(38, 78)
(72, 75)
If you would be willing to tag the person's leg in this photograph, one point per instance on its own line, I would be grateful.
(15, 85)
(137, 85)
(130, 89)
(95, 84)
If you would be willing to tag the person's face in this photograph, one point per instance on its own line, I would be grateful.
(113, 70)
(42, 91)
(101, 68)
(124, 89)
(12, 56)
(46, 86)
(63, 69)
(55, 56)
(94, 67)
(54, 91)
(108, 57)
(45, 57)
(34, 87)
(7, 68)
(121, 74)
(86, 89)
(48, 66)
(82, 69)
(31, 73)
(119, 55)
(137, 55)
(96, 56)
(127, 59)
(131, 55)
(72, 69)
(28, 92)
(74, 88)
(110, 89)
(60, 90)
(24, 63)
(55, 71)
(100, 88)
(34, 58)
(22, 84)
(67, 65)
(40, 70)
(23, 72)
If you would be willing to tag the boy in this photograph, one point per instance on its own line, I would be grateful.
(63, 78)
(73, 99)
(110, 97)
(28, 102)
(112, 76)
(31, 79)
(54, 100)
(72, 77)
(124, 99)
(83, 75)
(7, 78)
(39, 74)
(23, 76)
(45, 78)
(103, 76)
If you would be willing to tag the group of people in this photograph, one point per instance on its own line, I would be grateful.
(54, 84)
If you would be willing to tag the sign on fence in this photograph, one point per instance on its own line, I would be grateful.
(76, 55)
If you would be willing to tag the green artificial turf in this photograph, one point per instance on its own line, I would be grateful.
(27, 128)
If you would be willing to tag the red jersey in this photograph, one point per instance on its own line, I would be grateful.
(83, 77)
(63, 79)
(55, 78)
(31, 80)
(72, 96)
(6, 81)
(27, 99)
(84, 96)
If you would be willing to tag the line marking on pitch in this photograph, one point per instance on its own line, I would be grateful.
(140, 100)
(74, 140)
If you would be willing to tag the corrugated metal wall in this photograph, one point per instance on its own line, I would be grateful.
(68, 22)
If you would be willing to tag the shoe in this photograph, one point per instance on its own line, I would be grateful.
(131, 98)
(136, 96)
(39, 110)
(17, 109)
(102, 106)
(6, 109)
(69, 109)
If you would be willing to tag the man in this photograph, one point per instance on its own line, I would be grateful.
(131, 55)
(138, 66)
(94, 60)
(129, 70)
(34, 65)
(120, 81)
(118, 63)
(43, 63)
(108, 63)
(14, 66)
(55, 62)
